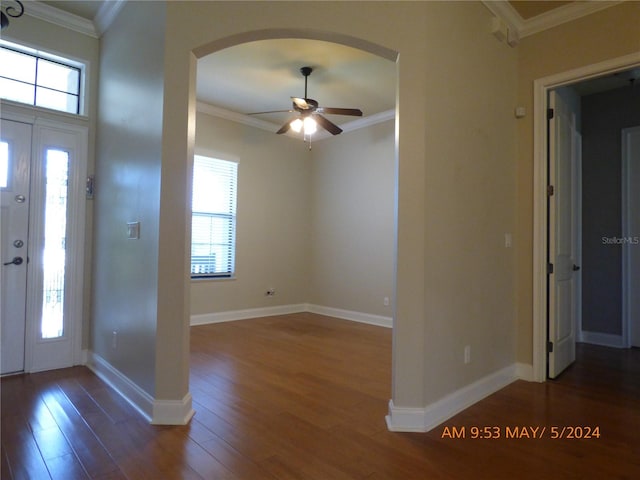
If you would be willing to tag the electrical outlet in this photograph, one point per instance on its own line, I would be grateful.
(467, 354)
(386, 301)
(271, 292)
(508, 240)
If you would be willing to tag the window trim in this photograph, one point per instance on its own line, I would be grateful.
(79, 66)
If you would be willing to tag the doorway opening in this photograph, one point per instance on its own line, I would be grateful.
(542, 228)
(268, 183)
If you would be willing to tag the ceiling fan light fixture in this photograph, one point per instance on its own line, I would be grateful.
(296, 125)
(310, 126)
(310, 114)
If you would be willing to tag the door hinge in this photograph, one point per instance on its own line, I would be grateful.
(550, 113)
(550, 190)
(549, 347)
(549, 268)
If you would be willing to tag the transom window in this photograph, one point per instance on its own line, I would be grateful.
(27, 76)
(213, 217)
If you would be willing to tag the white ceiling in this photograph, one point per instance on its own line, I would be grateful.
(264, 75)
(83, 8)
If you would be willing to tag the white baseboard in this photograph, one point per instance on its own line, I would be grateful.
(406, 419)
(604, 339)
(402, 419)
(132, 393)
(234, 315)
(157, 412)
(173, 412)
(524, 371)
(359, 317)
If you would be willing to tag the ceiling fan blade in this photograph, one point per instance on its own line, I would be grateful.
(270, 111)
(287, 126)
(284, 128)
(328, 125)
(354, 112)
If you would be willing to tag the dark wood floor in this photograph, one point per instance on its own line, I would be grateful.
(304, 397)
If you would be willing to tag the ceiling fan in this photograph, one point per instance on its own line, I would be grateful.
(309, 113)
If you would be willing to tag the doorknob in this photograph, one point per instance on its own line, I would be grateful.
(576, 267)
(15, 261)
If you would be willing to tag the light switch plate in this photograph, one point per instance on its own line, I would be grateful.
(133, 230)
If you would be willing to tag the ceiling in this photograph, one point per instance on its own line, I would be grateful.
(262, 76)
(83, 8)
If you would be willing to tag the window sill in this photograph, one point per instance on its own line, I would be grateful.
(211, 279)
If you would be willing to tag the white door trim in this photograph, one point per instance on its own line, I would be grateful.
(629, 241)
(541, 87)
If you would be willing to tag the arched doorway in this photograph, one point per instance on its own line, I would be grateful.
(204, 291)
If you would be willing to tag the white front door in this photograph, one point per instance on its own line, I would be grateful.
(564, 231)
(15, 161)
(43, 208)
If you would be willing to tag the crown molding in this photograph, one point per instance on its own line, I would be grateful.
(566, 13)
(503, 10)
(225, 114)
(50, 14)
(251, 121)
(107, 14)
(369, 120)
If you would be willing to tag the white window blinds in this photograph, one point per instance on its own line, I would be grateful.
(213, 228)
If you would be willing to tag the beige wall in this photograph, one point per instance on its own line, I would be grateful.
(317, 225)
(469, 203)
(128, 190)
(455, 150)
(353, 220)
(611, 33)
(50, 38)
(272, 237)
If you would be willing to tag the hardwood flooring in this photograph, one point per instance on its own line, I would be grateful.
(304, 397)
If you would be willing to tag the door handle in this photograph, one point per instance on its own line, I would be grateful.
(576, 267)
(15, 261)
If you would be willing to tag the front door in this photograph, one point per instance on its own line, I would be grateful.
(15, 161)
(42, 175)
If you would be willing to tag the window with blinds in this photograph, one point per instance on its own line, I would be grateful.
(213, 227)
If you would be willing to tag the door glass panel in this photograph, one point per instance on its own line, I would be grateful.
(55, 229)
(4, 164)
